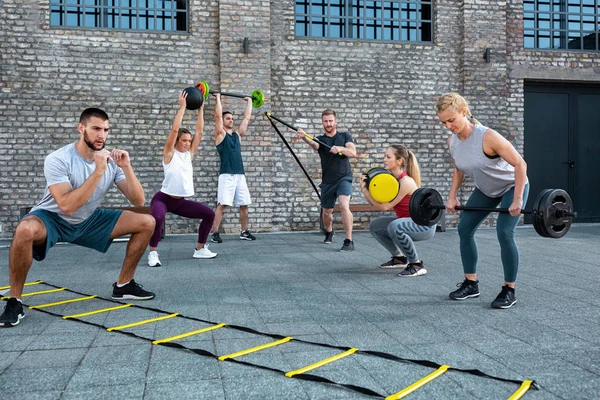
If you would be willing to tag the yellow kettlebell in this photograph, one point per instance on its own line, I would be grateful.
(383, 186)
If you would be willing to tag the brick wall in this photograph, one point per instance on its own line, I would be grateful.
(383, 93)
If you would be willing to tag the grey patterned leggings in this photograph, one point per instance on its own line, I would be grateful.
(398, 235)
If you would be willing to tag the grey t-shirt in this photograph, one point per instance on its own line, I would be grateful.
(67, 165)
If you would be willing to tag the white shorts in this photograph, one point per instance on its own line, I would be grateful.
(233, 190)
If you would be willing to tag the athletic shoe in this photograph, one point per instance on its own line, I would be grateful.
(413, 269)
(395, 262)
(216, 238)
(204, 253)
(328, 237)
(246, 235)
(506, 298)
(13, 313)
(132, 291)
(465, 290)
(153, 260)
(348, 245)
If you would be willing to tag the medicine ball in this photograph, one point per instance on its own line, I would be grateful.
(382, 185)
(194, 98)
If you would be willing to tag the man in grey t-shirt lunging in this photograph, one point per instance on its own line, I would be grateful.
(78, 176)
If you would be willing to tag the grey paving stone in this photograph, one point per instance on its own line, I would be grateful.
(315, 293)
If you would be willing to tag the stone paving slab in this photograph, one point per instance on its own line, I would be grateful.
(293, 285)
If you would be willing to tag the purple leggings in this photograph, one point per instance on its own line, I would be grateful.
(162, 203)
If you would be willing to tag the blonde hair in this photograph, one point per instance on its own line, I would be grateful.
(455, 102)
(410, 162)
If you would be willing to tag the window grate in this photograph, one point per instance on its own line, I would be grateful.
(561, 24)
(404, 20)
(141, 15)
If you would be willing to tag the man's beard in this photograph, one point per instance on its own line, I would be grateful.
(89, 143)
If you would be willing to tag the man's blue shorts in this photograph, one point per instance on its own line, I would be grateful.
(331, 191)
(94, 232)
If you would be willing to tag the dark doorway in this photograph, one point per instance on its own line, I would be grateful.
(562, 143)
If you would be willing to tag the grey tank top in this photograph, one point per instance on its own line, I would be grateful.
(493, 176)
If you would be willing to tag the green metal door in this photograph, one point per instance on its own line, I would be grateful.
(562, 144)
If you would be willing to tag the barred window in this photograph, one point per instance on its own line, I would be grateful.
(400, 20)
(561, 24)
(141, 15)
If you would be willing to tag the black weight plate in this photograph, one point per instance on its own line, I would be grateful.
(538, 218)
(426, 206)
(555, 226)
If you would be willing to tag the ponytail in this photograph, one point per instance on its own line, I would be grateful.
(412, 168)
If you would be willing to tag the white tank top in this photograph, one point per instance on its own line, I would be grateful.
(179, 175)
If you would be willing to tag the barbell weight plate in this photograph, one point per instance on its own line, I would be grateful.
(204, 89)
(538, 220)
(555, 226)
(426, 206)
(382, 185)
(258, 98)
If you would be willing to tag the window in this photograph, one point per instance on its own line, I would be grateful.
(140, 15)
(561, 24)
(400, 20)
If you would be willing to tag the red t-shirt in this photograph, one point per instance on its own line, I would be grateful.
(401, 209)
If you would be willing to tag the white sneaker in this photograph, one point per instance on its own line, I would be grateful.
(204, 253)
(153, 260)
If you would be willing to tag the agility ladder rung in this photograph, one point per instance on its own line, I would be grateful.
(521, 391)
(36, 293)
(421, 382)
(321, 363)
(143, 322)
(27, 284)
(62, 302)
(255, 349)
(102, 310)
(188, 334)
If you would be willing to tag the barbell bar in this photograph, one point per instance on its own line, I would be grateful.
(552, 210)
(257, 96)
(269, 115)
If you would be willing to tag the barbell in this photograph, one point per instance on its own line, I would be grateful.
(552, 210)
(257, 96)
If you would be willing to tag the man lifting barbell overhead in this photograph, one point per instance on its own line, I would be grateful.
(397, 234)
(335, 148)
(500, 176)
(232, 189)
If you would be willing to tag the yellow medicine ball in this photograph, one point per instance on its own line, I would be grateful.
(383, 186)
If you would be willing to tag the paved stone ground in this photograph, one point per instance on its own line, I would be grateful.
(292, 284)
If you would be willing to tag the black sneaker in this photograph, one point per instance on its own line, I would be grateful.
(132, 291)
(216, 238)
(328, 237)
(413, 269)
(395, 262)
(348, 245)
(246, 235)
(465, 290)
(506, 298)
(13, 313)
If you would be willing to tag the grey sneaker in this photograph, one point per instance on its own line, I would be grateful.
(506, 298)
(413, 269)
(328, 237)
(216, 238)
(465, 290)
(13, 313)
(348, 245)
